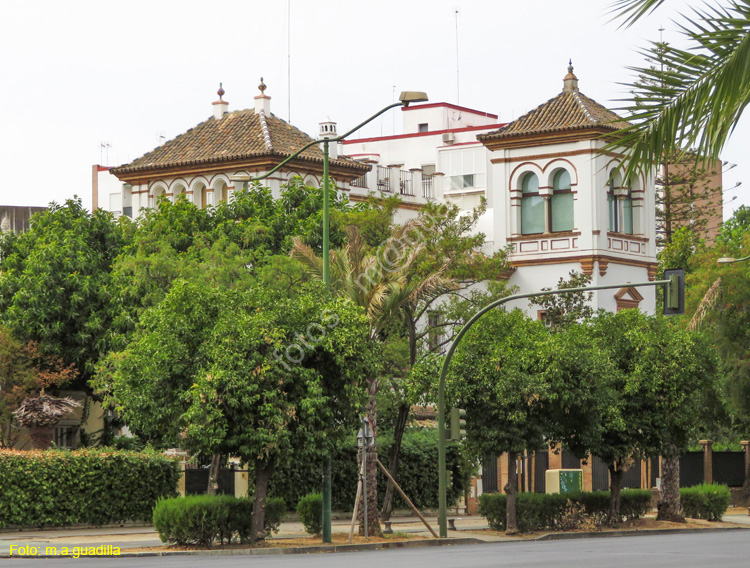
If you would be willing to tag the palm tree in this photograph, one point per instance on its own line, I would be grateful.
(383, 283)
(696, 96)
(40, 414)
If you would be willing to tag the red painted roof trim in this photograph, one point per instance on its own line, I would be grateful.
(430, 133)
(449, 105)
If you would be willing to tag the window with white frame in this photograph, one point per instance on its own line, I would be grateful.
(619, 205)
(561, 203)
(532, 205)
(465, 168)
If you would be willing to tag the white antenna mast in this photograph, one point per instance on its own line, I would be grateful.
(104, 149)
(458, 97)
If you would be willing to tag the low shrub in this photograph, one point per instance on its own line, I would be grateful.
(539, 511)
(706, 501)
(310, 512)
(93, 487)
(201, 519)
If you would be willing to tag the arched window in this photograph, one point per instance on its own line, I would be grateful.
(532, 205)
(561, 205)
(620, 205)
(159, 192)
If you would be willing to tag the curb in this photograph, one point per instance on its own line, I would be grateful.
(279, 551)
(644, 532)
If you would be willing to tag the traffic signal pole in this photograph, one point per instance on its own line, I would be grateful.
(673, 285)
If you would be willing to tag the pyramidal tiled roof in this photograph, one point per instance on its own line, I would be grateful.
(237, 135)
(570, 110)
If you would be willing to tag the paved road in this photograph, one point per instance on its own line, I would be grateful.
(716, 549)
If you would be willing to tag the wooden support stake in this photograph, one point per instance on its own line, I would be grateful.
(408, 501)
(356, 507)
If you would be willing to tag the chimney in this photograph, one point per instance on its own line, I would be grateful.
(262, 101)
(328, 131)
(570, 81)
(221, 107)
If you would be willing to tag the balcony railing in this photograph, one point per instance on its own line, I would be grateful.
(428, 187)
(384, 179)
(360, 182)
(405, 183)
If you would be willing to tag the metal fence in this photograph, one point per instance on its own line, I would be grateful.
(196, 481)
(691, 469)
(489, 474)
(541, 465)
(631, 479)
(729, 468)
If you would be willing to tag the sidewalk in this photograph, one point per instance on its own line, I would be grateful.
(137, 537)
(470, 529)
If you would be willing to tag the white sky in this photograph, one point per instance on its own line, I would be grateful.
(79, 73)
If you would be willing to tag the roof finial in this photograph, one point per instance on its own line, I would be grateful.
(570, 81)
(262, 87)
(221, 91)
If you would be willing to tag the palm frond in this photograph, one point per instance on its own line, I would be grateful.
(633, 10)
(305, 254)
(696, 96)
(44, 411)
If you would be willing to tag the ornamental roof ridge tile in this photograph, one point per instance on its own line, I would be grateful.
(264, 127)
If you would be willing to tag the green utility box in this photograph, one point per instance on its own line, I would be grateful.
(563, 480)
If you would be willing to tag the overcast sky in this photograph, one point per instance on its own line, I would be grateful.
(77, 74)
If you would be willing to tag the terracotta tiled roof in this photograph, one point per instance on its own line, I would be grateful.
(570, 110)
(237, 135)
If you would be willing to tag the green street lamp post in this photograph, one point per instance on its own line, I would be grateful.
(442, 434)
(405, 99)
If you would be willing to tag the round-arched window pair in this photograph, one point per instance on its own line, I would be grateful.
(536, 214)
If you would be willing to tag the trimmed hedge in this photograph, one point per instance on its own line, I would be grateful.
(310, 512)
(60, 488)
(705, 501)
(417, 473)
(201, 519)
(539, 511)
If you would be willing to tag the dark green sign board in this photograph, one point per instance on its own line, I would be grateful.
(571, 481)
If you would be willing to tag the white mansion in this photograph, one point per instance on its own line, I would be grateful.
(552, 198)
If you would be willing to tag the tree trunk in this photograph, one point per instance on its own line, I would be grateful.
(213, 475)
(403, 416)
(263, 471)
(398, 434)
(511, 488)
(41, 437)
(615, 483)
(373, 516)
(669, 507)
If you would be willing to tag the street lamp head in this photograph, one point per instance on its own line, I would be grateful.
(726, 260)
(407, 97)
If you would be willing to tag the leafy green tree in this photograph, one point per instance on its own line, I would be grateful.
(284, 376)
(55, 284)
(650, 402)
(734, 235)
(497, 376)
(220, 246)
(147, 383)
(561, 310)
(267, 372)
